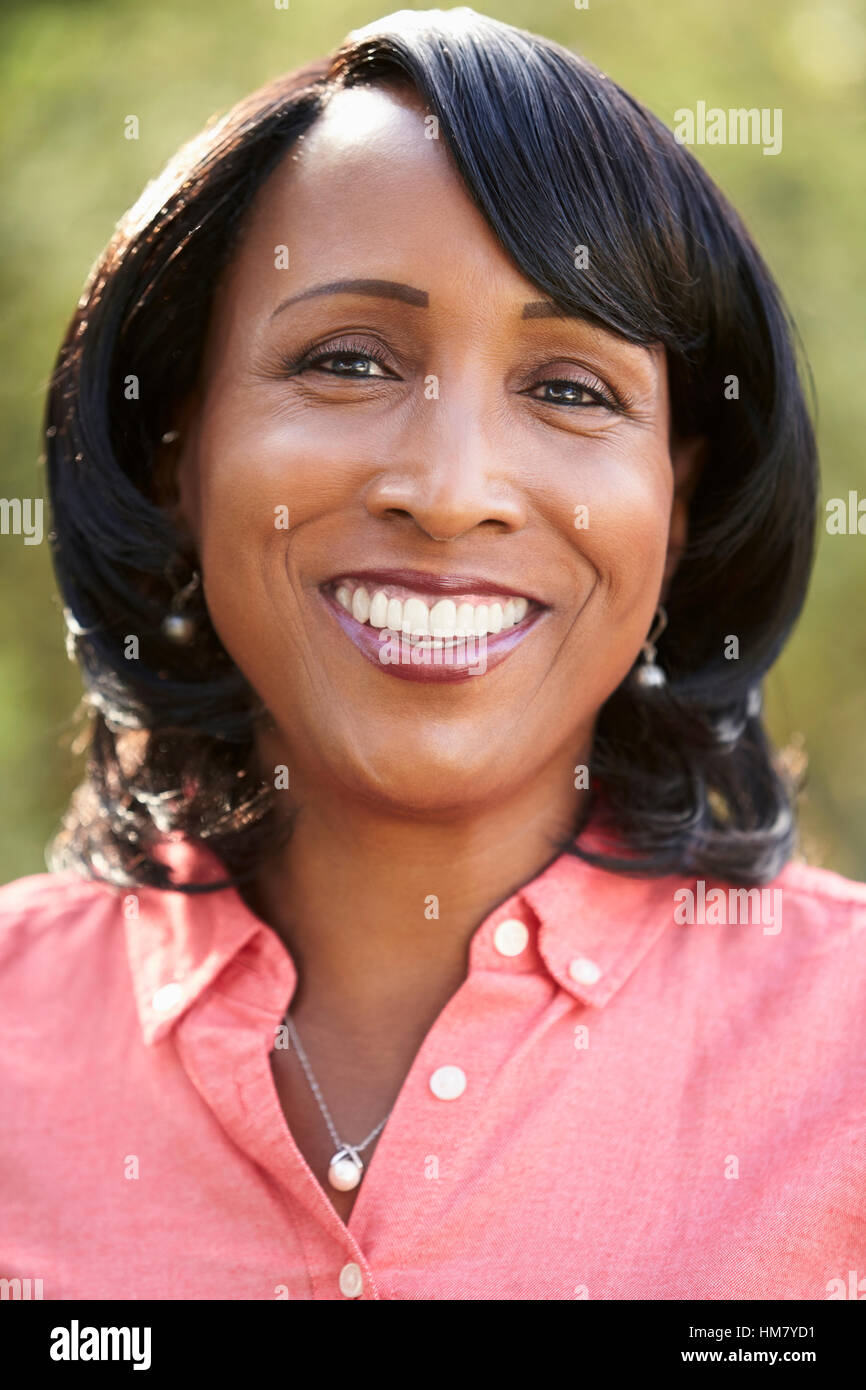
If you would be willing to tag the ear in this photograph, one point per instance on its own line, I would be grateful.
(688, 457)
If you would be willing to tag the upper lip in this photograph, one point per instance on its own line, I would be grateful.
(424, 581)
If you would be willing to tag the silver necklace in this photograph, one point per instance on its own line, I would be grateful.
(346, 1167)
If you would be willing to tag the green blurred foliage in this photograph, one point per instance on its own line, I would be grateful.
(71, 73)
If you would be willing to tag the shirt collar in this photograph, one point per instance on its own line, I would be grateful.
(178, 943)
(591, 929)
(595, 926)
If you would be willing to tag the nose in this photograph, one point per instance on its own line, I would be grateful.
(452, 471)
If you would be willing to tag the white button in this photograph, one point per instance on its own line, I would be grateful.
(351, 1280)
(510, 937)
(166, 998)
(583, 971)
(448, 1083)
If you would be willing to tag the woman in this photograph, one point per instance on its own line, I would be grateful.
(432, 490)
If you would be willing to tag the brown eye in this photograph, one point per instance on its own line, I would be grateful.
(568, 392)
(353, 361)
(347, 362)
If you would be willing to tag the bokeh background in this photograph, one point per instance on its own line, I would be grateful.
(72, 71)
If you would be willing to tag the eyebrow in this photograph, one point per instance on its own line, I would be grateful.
(380, 289)
(419, 299)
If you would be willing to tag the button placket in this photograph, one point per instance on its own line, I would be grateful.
(249, 1110)
(351, 1280)
(447, 1083)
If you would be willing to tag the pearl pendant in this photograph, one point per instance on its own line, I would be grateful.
(178, 627)
(650, 677)
(344, 1172)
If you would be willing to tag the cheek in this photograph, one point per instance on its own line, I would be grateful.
(249, 466)
(615, 517)
(247, 511)
(621, 520)
(261, 482)
(276, 498)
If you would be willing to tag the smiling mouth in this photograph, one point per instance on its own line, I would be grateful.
(430, 627)
(420, 614)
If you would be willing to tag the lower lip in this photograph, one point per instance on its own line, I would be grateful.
(461, 665)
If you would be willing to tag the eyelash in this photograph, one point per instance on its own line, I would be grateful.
(311, 357)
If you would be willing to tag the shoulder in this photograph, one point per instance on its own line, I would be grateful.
(62, 947)
(43, 909)
(807, 928)
(821, 902)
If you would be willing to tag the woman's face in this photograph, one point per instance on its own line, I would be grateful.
(454, 460)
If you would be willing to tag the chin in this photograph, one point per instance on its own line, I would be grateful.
(425, 784)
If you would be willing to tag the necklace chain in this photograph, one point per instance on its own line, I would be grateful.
(314, 1087)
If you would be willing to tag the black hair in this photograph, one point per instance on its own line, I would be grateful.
(555, 155)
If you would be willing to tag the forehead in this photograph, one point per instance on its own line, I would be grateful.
(367, 190)
(365, 194)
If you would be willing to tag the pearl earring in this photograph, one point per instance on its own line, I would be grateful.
(177, 626)
(649, 675)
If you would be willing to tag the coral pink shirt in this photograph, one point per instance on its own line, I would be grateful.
(616, 1103)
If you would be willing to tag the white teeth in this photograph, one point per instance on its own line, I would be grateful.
(379, 609)
(465, 618)
(416, 617)
(361, 604)
(443, 619)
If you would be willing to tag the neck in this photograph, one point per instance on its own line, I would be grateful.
(377, 908)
